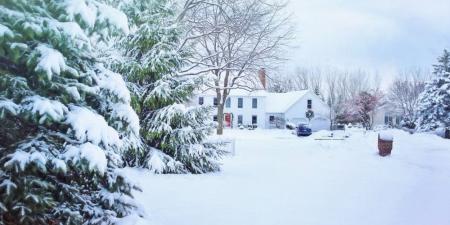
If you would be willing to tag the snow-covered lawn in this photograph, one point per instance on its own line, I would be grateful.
(276, 178)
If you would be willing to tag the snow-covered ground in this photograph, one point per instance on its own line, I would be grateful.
(276, 178)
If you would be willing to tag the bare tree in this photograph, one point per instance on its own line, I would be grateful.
(337, 87)
(332, 97)
(404, 93)
(302, 79)
(309, 78)
(233, 40)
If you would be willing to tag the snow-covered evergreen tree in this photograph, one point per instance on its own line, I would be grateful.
(174, 135)
(65, 119)
(434, 106)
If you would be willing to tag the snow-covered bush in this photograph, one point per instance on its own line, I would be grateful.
(173, 135)
(434, 103)
(65, 119)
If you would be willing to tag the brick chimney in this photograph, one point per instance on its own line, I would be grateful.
(262, 77)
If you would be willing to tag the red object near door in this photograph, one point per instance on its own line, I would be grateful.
(227, 119)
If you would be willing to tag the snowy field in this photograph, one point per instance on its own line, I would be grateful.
(276, 178)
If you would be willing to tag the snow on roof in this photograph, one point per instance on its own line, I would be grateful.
(236, 93)
(255, 93)
(275, 102)
(281, 102)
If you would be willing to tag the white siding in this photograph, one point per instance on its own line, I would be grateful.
(279, 121)
(247, 111)
(379, 117)
(297, 112)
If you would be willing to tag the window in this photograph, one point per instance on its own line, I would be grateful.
(240, 119)
(388, 120)
(215, 118)
(254, 119)
(228, 103)
(200, 100)
(271, 119)
(215, 103)
(398, 119)
(240, 103)
(255, 103)
(309, 104)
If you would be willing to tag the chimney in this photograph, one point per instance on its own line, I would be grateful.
(262, 77)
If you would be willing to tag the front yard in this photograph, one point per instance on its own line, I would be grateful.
(276, 178)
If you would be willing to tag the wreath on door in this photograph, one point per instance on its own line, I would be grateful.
(310, 114)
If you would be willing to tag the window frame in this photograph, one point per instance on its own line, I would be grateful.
(255, 119)
(240, 103)
(228, 103)
(240, 119)
(309, 104)
(254, 103)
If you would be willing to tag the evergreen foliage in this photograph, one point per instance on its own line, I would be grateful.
(174, 134)
(434, 106)
(65, 118)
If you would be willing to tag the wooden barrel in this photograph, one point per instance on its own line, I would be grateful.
(384, 147)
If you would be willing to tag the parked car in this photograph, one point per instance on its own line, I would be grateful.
(338, 127)
(303, 130)
(290, 126)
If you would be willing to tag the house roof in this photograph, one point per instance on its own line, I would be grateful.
(238, 93)
(244, 93)
(275, 102)
(281, 102)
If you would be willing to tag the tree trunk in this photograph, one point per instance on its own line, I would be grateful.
(220, 118)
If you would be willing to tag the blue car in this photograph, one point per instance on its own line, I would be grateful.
(303, 130)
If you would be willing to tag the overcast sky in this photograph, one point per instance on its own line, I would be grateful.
(382, 35)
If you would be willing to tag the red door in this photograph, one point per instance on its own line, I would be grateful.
(227, 119)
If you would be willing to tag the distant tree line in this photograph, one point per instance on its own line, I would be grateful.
(355, 95)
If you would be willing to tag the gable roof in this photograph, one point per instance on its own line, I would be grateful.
(274, 102)
(236, 93)
(281, 102)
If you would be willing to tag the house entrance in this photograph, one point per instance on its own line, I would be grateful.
(228, 120)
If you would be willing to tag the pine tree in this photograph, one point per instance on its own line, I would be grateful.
(434, 106)
(174, 134)
(65, 117)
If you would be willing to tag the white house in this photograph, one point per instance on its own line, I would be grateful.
(386, 115)
(269, 110)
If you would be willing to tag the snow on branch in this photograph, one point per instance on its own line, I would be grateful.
(113, 83)
(113, 16)
(92, 154)
(5, 31)
(44, 109)
(8, 106)
(92, 13)
(50, 61)
(89, 126)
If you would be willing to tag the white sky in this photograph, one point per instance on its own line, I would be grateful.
(381, 35)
